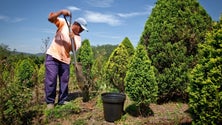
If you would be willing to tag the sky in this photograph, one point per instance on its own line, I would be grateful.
(24, 23)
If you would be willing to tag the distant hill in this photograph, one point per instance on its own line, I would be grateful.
(27, 54)
(39, 54)
(105, 49)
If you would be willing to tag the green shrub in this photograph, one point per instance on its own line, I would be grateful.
(205, 89)
(16, 102)
(18, 93)
(140, 80)
(116, 67)
(171, 35)
(85, 56)
(25, 73)
(17, 78)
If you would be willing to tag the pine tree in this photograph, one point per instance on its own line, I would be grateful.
(129, 46)
(205, 89)
(85, 56)
(171, 35)
(116, 67)
(140, 80)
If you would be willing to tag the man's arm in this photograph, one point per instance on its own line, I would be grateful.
(53, 15)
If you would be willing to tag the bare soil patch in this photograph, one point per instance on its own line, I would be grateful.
(92, 114)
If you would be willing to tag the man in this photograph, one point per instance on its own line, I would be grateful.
(58, 57)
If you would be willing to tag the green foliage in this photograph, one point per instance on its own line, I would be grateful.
(4, 49)
(129, 46)
(25, 74)
(41, 74)
(72, 78)
(140, 80)
(173, 79)
(39, 85)
(16, 101)
(85, 56)
(61, 111)
(101, 54)
(104, 50)
(16, 86)
(14, 98)
(205, 89)
(6, 65)
(116, 67)
(98, 72)
(171, 35)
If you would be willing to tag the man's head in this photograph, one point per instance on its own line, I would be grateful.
(79, 25)
(82, 23)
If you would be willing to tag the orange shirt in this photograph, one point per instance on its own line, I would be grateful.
(61, 45)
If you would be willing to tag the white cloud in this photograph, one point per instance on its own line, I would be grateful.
(10, 19)
(127, 15)
(4, 18)
(100, 3)
(97, 17)
(17, 19)
(133, 14)
(73, 8)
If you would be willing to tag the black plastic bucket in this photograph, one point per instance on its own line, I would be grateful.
(113, 104)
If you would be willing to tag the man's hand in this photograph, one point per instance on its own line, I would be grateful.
(66, 12)
(53, 15)
(71, 35)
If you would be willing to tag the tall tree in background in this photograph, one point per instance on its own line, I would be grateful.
(116, 66)
(171, 35)
(205, 89)
(85, 56)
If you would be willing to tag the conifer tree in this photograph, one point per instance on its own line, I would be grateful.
(171, 35)
(140, 80)
(129, 46)
(116, 67)
(205, 89)
(85, 56)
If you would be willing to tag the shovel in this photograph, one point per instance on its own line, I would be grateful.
(78, 66)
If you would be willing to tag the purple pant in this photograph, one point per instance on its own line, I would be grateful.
(53, 69)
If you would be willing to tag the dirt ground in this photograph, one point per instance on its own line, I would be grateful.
(92, 114)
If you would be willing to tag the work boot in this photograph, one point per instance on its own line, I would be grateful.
(50, 106)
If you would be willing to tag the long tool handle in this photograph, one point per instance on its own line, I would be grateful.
(71, 39)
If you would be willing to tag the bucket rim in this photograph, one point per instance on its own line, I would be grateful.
(113, 97)
(113, 93)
